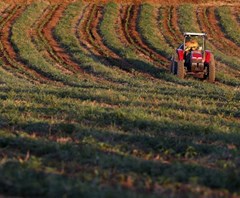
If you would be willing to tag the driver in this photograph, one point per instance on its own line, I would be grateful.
(191, 45)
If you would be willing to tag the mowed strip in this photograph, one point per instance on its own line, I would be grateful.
(133, 38)
(43, 44)
(209, 24)
(30, 54)
(75, 42)
(101, 50)
(8, 53)
(59, 54)
(134, 33)
(167, 28)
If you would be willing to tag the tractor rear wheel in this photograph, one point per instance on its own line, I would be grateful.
(211, 70)
(180, 70)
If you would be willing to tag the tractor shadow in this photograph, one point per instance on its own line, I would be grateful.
(132, 65)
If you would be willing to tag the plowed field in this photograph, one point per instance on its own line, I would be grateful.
(88, 107)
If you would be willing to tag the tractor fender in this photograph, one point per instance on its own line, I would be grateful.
(180, 53)
(208, 55)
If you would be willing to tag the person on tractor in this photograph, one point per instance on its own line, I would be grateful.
(191, 45)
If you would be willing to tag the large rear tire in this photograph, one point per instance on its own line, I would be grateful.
(180, 70)
(212, 70)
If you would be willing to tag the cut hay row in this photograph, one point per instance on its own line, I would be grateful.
(28, 52)
(131, 34)
(214, 32)
(93, 41)
(45, 41)
(8, 53)
(44, 44)
(166, 27)
(228, 24)
(72, 20)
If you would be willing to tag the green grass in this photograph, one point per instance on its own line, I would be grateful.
(146, 137)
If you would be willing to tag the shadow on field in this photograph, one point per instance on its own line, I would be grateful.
(132, 65)
(105, 146)
(144, 67)
(83, 159)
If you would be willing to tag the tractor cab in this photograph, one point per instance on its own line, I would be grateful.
(192, 58)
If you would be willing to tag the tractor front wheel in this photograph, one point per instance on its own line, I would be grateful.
(173, 65)
(180, 70)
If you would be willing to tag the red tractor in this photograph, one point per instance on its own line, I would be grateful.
(191, 58)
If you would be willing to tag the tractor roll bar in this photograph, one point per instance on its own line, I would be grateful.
(194, 34)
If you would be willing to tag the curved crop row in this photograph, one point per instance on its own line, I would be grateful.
(8, 54)
(115, 19)
(42, 44)
(7, 74)
(136, 39)
(90, 37)
(117, 134)
(29, 54)
(208, 24)
(165, 20)
(88, 61)
(148, 26)
(230, 26)
(22, 43)
(44, 40)
(225, 74)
